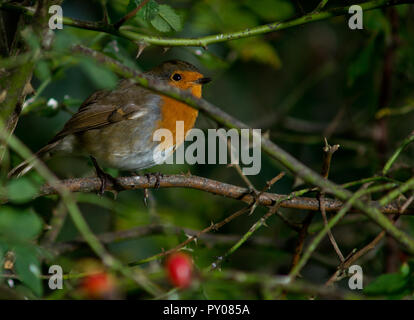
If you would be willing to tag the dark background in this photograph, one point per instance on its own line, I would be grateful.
(299, 85)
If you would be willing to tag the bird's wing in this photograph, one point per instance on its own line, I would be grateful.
(104, 108)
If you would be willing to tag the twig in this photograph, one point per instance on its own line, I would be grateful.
(330, 235)
(397, 153)
(214, 227)
(139, 276)
(253, 228)
(408, 185)
(56, 224)
(237, 166)
(355, 255)
(293, 225)
(303, 232)
(131, 34)
(245, 237)
(328, 153)
(284, 158)
(281, 282)
(105, 17)
(321, 5)
(318, 238)
(154, 229)
(295, 201)
(269, 184)
(130, 15)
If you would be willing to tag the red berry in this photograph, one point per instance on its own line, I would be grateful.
(179, 269)
(98, 285)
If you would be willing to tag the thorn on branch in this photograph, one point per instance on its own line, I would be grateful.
(105, 17)
(328, 153)
(141, 46)
(257, 195)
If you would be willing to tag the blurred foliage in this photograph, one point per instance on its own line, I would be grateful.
(394, 285)
(162, 17)
(299, 84)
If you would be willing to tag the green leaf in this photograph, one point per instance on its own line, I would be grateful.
(257, 50)
(19, 225)
(166, 20)
(21, 190)
(387, 284)
(147, 12)
(27, 267)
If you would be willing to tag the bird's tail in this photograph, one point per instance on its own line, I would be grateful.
(27, 165)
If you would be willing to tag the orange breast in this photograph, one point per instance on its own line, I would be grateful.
(173, 111)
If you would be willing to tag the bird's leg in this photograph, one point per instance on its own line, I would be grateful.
(102, 175)
(157, 176)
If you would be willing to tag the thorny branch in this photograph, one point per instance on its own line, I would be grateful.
(296, 201)
(130, 33)
(273, 150)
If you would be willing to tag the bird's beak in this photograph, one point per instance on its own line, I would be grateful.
(202, 80)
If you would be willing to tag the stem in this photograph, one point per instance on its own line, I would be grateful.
(397, 153)
(76, 215)
(294, 201)
(318, 238)
(321, 5)
(127, 33)
(245, 237)
(409, 184)
(130, 15)
(274, 151)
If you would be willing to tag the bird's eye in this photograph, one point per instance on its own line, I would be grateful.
(176, 77)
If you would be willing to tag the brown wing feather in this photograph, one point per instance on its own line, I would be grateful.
(101, 109)
(87, 119)
(93, 98)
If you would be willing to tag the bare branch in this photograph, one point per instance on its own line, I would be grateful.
(214, 187)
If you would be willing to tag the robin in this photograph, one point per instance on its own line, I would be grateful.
(115, 128)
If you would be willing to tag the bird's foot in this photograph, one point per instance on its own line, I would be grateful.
(157, 176)
(105, 178)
